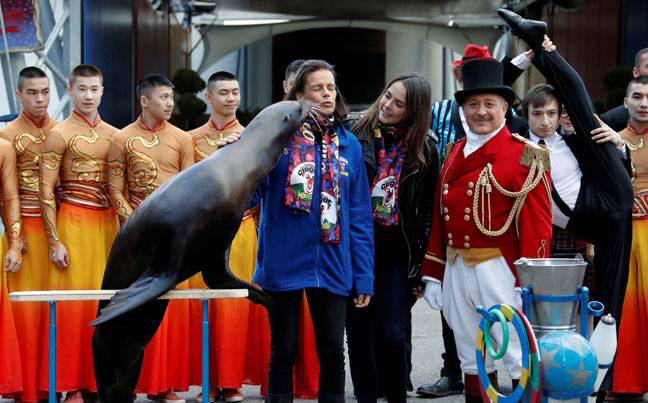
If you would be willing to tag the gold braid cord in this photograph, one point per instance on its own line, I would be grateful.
(484, 187)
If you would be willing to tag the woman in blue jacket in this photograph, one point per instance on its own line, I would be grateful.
(315, 235)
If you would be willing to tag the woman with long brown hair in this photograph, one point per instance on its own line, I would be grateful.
(402, 166)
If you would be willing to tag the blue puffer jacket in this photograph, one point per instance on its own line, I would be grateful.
(291, 255)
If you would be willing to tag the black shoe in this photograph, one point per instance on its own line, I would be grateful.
(531, 31)
(443, 387)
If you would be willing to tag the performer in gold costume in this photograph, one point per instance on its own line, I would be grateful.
(143, 156)
(27, 133)
(630, 380)
(81, 229)
(229, 344)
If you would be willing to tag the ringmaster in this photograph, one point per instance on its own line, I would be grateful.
(491, 207)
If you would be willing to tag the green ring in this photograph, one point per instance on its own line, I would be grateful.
(505, 335)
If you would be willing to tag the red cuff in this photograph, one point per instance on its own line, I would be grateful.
(433, 267)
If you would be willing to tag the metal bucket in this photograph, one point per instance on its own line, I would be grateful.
(552, 277)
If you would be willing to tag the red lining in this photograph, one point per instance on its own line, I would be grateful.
(33, 120)
(228, 124)
(94, 124)
(151, 129)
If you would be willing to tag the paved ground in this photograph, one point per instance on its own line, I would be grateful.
(426, 357)
(427, 345)
(426, 360)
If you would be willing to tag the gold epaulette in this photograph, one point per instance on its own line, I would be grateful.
(533, 152)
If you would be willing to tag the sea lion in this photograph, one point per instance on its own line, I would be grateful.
(182, 228)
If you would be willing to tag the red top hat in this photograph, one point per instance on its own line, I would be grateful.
(473, 51)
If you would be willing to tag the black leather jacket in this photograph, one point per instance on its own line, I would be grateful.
(415, 197)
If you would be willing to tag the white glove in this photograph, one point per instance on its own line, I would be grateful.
(433, 293)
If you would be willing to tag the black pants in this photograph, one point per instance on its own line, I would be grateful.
(451, 364)
(376, 336)
(408, 341)
(602, 214)
(328, 311)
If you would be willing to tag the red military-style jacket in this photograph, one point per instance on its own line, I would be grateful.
(506, 180)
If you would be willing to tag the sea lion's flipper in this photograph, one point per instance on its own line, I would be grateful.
(213, 275)
(146, 288)
(221, 277)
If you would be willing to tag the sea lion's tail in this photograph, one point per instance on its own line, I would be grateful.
(146, 288)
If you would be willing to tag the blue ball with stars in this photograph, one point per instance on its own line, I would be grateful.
(569, 365)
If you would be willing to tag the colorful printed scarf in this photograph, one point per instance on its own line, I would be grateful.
(384, 191)
(301, 175)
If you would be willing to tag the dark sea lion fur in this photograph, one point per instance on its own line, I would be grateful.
(184, 227)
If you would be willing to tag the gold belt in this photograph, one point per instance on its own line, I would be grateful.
(472, 256)
(640, 205)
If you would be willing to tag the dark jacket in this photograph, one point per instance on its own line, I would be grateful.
(415, 196)
(617, 118)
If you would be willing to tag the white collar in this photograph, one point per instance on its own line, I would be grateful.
(479, 140)
(475, 141)
(549, 140)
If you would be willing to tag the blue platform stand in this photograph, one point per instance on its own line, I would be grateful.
(52, 351)
(205, 350)
(586, 308)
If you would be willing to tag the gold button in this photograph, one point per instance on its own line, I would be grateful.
(445, 210)
(471, 185)
(449, 235)
(449, 242)
(466, 238)
(466, 245)
(445, 192)
(466, 210)
(447, 218)
(466, 218)
(469, 193)
(445, 185)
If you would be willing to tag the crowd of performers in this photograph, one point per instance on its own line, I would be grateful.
(399, 212)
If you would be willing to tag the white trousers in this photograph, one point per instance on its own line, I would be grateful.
(466, 287)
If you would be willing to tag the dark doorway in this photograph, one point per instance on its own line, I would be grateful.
(358, 56)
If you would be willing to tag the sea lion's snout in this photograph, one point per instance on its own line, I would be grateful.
(297, 115)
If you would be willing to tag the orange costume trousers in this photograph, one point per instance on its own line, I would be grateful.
(10, 365)
(30, 321)
(87, 234)
(630, 371)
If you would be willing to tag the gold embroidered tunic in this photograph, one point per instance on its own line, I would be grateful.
(142, 158)
(76, 153)
(27, 137)
(205, 137)
(639, 150)
(10, 197)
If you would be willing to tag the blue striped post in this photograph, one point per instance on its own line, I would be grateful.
(205, 350)
(52, 352)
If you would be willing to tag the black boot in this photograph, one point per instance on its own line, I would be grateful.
(472, 389)
(445, 386)
(279, 398)
(531, 31)
(330, 398)
(493, 379)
